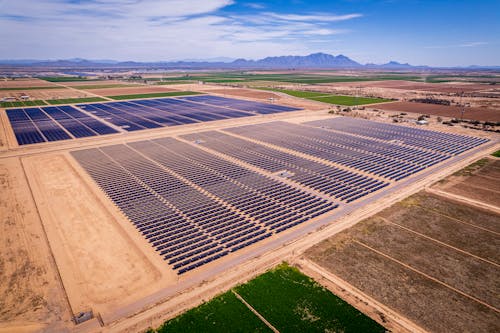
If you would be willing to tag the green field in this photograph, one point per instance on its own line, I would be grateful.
(349, 100)
(32, 88)
(65, 78)
(75, 100)
(496, 154)
(224, 313)
(21, 103)
(103, 86)
(289, 300)
(332, 99)
(165, 94)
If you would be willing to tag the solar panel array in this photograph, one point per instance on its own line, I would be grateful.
(261, 108)
(192, 206)
(153, 113)
(54, 123)
(195, 201)
(338, 183)
(379, 158)
(439, 142)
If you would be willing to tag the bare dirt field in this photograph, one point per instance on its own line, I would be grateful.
(480, 114)
(31, 298)
(91, 83)
(100, 264)
(25, 83)
(38, 94)
(476, 183)
(245, 93)
(437, 270)
(410, 85)
(130, 91)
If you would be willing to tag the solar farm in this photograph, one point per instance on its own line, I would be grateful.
(44, 124)
(186, 196)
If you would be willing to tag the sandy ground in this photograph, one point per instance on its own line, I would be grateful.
(101, 267)
(23, 83)
(245, 93)
(131, 90)
(480, 114)
(37, 94)
(410, 85)
(91, 83)
(31, 297)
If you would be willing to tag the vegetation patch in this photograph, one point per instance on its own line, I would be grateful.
(349, 100)
(152, 95)
(286, 298)
(224, 313)
(21, 103)
(332, 99)
(75, 100)
(496, 154)
(66, 78)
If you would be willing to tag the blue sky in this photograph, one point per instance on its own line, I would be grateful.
(437, 33)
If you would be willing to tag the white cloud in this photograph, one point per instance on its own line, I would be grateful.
(147, 30)
(318, 18)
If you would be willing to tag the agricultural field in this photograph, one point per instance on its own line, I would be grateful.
(65, 78)
(165, 94)
(21, 103)
(75, 100)
(472, 113)
(104, 86)
(332, 99)
(429, 258)
(284, 297)
(479, 182)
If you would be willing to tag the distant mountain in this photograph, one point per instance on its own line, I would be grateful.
(311, 61)
(315, 60)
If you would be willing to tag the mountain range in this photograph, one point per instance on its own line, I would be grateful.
(311, 61)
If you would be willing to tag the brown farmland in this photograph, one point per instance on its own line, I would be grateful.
(480, 114)
(430, 259)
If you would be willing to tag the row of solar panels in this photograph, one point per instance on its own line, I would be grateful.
(44, 124)
(194, 206)
(54, 123)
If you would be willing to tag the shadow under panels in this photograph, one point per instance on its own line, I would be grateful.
(194, 206)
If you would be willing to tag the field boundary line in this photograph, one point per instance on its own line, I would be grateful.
(439, 242)
(242, 300)
(458, 220)
(465, 200)
(395, 316)
(427, 276)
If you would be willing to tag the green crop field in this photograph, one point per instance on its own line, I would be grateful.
(332, 99)
(21, 103)
(286, 298)
(224, 313)
(165, 94)
(496, 154)
(75, 100)
(65, 78)
(349, 100)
